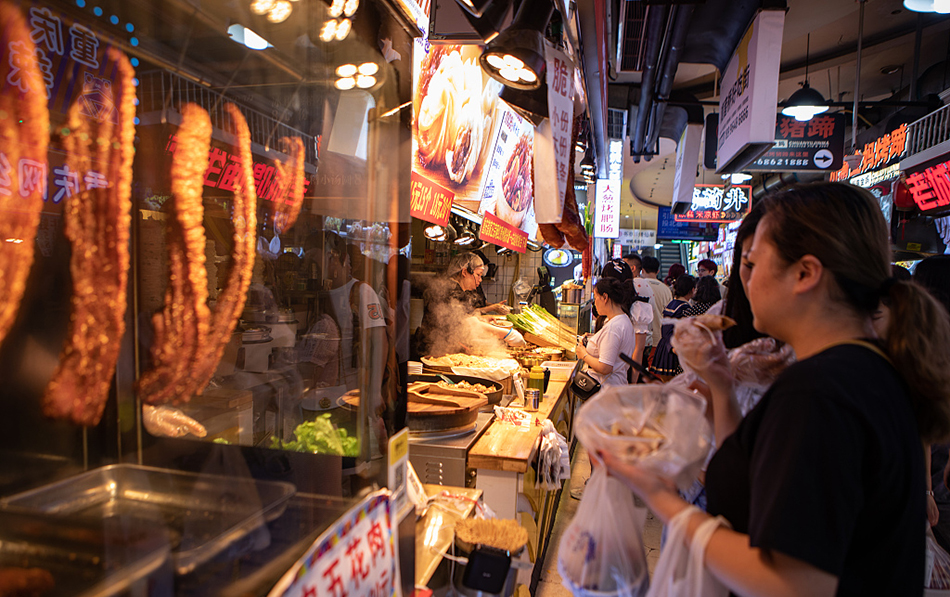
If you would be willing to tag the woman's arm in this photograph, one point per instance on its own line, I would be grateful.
(933, 514)
(593, 362)
(743, 569)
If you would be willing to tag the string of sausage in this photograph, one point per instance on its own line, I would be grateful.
(230, 302)
(290, 174)
(24, 135)
(181, 329)
(97, 222)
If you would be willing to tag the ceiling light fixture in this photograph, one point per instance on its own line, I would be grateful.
(938, 6)
(244, 36)
(346, 70)
(350, 7)
(369, 68)
(336, 9)
(435, 232)
(365, 81)
(737, 178)
(280, 11)
(486, 16)
(335, 29)
(516, 57)
(262, 7)
(806, 102)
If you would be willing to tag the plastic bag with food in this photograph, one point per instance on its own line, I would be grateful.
(754, 366)
(601, 552)
(662, 428)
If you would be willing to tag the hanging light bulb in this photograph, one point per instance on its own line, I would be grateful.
(280, 12)
(262, 7)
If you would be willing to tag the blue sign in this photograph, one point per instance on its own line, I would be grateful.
(669, 229)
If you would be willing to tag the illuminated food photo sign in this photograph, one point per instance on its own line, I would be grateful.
(712, 203)
(454, 118)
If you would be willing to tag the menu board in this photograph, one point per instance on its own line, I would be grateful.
(454, 118)
(508, 191)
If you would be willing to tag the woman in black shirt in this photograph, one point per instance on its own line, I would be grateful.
(823, 481)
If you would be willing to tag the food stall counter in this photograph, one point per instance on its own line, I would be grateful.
(435, 531)
(511, 448)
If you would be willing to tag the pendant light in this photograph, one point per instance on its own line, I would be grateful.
(806, 102)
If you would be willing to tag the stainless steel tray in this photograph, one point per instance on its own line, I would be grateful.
(84, 558)
(203, 514)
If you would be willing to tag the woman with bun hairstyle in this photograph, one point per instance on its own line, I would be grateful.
(822, 483)
(612, 299)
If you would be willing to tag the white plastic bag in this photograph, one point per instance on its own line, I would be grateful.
(626, 420)
(679, 572)
(601, 552)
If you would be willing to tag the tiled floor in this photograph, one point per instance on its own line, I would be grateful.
(550, 583)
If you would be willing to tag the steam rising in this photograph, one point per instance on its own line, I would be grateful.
(455, 328)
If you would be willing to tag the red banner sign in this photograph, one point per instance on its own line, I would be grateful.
(931, 188)
(498, 232)
(225, 172)
(429, 201)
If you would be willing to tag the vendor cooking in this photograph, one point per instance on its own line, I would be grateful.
(450, 321)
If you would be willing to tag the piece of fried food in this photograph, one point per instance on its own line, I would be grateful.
(715, 323)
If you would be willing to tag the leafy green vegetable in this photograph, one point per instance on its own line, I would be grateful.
(320, 436)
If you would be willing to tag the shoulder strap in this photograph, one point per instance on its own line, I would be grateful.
(869, 345)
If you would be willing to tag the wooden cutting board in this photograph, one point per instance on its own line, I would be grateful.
(433, 410)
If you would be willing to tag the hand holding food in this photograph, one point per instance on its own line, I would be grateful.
(699, 346)
(170, 422)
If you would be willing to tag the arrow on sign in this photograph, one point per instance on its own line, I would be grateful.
(823, 158)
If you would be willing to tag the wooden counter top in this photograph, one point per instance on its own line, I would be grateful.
(435, 532)
(509, 447)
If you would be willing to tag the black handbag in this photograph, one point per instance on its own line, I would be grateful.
(583, 385)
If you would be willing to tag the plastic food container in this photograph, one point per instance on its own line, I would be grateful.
(203, 514)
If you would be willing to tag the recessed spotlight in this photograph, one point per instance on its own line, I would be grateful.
(365, 81)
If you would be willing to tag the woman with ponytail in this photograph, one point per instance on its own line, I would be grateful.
(601, 351)
(822, 483)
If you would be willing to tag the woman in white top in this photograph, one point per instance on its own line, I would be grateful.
(612, 299)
